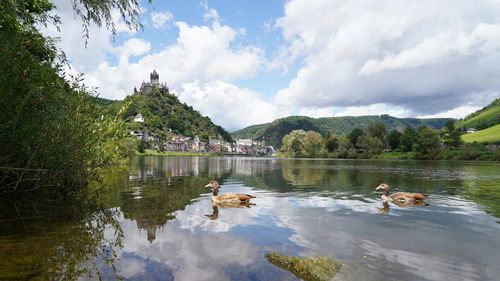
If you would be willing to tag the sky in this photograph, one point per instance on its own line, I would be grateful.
(243, 63)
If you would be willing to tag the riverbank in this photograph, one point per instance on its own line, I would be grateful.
(150, 152)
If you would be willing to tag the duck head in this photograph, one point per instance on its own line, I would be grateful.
(383, 186)
(214, 185)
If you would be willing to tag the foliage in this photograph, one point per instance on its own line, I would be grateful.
(354, 136)
(377, 130)
(293, 144)
(371, 144)
(484, 118)
(164, 111)
(408, 139)
(99, 13)
(394, 139)
(428, 142)
(450, 135)
(492, 135)
(52, 130)
(313, 144)
(275, 131)
(331, 143)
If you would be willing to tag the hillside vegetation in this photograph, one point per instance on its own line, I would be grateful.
(164, 112)
(486, 117)
(491, 134)
(274, 132)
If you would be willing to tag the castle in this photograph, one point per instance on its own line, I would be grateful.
(154, 83)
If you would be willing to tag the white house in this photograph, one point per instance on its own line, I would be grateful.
(139, 118)
(247, 142)
(471, 130)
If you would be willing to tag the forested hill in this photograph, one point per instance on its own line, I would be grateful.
(273, 132)
(164, 111)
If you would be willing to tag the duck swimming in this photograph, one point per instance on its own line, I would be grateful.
(227, 198)
(400, 197)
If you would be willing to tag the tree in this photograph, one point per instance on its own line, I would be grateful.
(52, 129)
(450, 135)
(313, 144)
(344, 142)
(377, 130)
(408, 139)
(331, 143)
(371, 144)
(393, 139)
(427, 145)
(293, 144)
(354, 135)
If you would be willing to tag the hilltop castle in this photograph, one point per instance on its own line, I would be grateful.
(154, 83)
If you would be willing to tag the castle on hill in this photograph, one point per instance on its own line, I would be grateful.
(154, 83)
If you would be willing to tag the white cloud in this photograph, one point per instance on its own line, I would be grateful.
(407, 54)
(160, 19)
(229, 105)
(134, 47)
(202, 53)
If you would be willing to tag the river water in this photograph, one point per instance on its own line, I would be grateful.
(154, 221)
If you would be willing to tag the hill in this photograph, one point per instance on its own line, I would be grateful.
(164, 113)
(484, 118)
(491, 134)
(273, 132)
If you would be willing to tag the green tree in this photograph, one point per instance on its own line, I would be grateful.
(408, 139)
(354, 135)
(313, 144)
(451, 135)
(428, 143)
(331, 143)
(293, 144)
(393, 139)
(372, 145)
(344, 142)
(377, 130)
(52, 129)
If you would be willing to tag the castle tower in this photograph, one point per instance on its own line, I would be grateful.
(155, 78)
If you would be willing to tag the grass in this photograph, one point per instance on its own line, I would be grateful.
(491, 134)
(150, 152)
(396, 155)
(487, 116)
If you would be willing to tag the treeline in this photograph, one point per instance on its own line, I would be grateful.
(377, 142)
(53, 132)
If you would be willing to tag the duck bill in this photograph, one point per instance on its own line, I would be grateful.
(379, 187)
(208, 185)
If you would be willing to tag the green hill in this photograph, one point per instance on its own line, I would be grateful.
(164, 112)
(486, 117)
(273, 132)
(491, 134)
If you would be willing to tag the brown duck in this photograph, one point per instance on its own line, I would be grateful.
(227, 198)
(399, 197)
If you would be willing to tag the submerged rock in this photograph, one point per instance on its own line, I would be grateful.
(309, 269)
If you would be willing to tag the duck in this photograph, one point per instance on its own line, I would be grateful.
(400, 197)
(227, 198)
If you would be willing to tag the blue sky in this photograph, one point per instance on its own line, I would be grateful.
(250, 62)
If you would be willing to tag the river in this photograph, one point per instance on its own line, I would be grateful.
(154, 220)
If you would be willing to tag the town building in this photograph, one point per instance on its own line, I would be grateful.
(139, 118)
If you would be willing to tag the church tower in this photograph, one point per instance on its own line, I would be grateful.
(155, 78)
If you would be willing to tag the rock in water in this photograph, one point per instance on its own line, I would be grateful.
(309, 269)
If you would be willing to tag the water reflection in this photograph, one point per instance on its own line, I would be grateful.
(154, 220)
